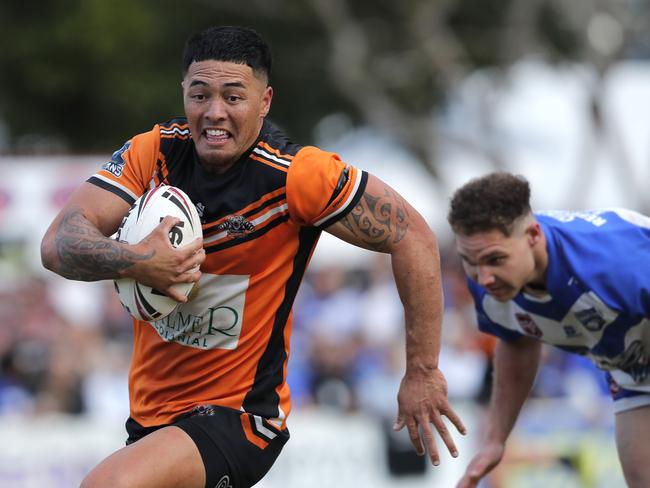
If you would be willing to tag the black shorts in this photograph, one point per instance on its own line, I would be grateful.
(237, 448)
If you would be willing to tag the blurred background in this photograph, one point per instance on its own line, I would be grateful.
(425, 94)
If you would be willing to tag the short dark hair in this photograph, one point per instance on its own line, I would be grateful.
(236, 44)
(493, 201)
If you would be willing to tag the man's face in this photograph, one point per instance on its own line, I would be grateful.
(225, 104)
(501, 264)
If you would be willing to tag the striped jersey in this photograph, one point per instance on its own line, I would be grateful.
(261, 219)
(598, 300)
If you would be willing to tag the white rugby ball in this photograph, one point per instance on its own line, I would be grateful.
(141, 301)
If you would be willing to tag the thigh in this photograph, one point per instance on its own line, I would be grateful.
(166, 458)
(632, 434)
(237, 448)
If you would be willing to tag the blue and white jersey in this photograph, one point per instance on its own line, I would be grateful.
(598, 301)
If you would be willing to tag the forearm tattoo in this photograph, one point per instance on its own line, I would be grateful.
(379, 220)
(85, 254)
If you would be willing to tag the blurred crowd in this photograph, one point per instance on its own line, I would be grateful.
(65, 346)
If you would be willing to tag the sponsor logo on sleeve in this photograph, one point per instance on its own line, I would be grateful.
(116, 164)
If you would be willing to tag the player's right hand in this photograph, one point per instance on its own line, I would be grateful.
(485, 461)
(162, 265)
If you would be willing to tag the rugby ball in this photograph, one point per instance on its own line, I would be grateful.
(141, 301)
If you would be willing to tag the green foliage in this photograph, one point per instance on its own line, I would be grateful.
(89, 74)
(480, 26)
(561, 39)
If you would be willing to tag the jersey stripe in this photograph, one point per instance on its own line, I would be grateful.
(268, 156)
(354, 197)
(262, 429)
(279, 198)
(107, 184)
(271, 149)
(263, 398)
(268, 163)
(175, 131)
(248, 431)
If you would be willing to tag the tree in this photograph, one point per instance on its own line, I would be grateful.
(87, 74)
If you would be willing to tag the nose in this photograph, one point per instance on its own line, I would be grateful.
(216, 109)
(484, 275)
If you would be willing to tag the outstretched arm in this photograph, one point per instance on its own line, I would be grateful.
(383, 221)
(76, 245)
(515, 367)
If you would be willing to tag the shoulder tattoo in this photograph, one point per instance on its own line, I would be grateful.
(379, 220)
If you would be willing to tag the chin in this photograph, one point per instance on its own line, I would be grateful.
(504, 296)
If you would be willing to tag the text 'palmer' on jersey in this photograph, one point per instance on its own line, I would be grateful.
(598, 301)
(229, 344)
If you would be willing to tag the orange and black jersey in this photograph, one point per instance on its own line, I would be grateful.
(229, 345)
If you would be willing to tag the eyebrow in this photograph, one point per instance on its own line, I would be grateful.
(491, 255)
(230, 84)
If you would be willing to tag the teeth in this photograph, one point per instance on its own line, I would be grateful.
(216, 132)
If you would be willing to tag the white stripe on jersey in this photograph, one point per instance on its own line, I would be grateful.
(115, 184)
(277, 422)
(353, 193)
(175, 130)
(270, 156)
(271, 213)
(279, 419)
(262, 429)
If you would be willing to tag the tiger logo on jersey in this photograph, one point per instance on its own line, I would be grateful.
(236, 226)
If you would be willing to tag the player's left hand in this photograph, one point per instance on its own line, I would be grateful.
(422, 401)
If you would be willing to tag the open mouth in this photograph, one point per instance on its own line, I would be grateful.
(216, 136)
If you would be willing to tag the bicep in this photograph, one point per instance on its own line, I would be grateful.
(100, 207)
(380, 221)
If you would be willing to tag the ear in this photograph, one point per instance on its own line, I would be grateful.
(267, 96)
(534, 233)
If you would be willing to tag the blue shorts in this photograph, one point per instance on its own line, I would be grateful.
(625, 399)
(237, 448)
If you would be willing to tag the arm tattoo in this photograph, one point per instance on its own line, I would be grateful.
(85, 254)
(379, 220)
